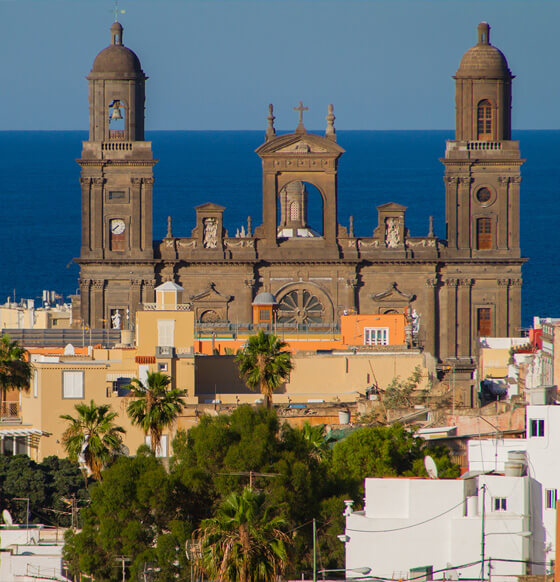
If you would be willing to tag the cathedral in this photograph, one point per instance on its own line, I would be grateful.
(465, 286)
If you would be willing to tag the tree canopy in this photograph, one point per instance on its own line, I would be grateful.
(216, 460)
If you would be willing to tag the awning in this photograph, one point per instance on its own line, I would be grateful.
(31, 435)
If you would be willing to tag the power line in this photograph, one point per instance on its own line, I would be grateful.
(407, 526)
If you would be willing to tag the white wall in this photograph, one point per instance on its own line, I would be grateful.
(409, 523)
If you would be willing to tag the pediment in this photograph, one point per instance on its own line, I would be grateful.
(393, 294)
(211, 294)
(300, 143)
(210, 206)
(392, 207)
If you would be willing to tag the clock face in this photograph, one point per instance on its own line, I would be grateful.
(117, 226)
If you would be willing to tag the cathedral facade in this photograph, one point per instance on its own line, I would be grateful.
(465, 286)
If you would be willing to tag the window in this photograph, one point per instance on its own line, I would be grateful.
(536, 427)
(484, 120)
(72, 384)
(162, 367)
(484, 233)
(376, 336)
(499, 503)
(483, 195)
(116, 195)
(35, 384)
(484, 321)
(264, 315)
(162, 451)
(166, 333)
(550, 498)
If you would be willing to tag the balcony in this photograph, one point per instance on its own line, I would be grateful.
(10, 413)
(165, 352)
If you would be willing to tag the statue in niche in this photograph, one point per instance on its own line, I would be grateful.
(392, 235)
(210, 233)
(116, 320)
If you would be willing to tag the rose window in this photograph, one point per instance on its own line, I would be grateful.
(300, 306)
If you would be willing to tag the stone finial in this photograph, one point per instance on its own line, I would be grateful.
(300, 108)
(169, 228)
(351, 226)
(270, 131)
(249, 226)
(483, 33)
(431, 230)
(330, 132)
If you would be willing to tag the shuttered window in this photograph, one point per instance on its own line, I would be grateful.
(484, 120)
(166, 333)
(72, 384)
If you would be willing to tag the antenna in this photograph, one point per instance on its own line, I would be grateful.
(115, 10)
(431, 467)
(7, 517)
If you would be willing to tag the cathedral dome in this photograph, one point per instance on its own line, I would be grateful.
(117, 61)
(484, 60)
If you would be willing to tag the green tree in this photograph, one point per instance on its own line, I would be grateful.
(264, 364)
(92, 436)
(15, 368)
(138, 512)
(155, 406)
(385, 451)
(244, 541)
(399, 393)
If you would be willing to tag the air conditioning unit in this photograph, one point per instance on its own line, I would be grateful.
(165, 352)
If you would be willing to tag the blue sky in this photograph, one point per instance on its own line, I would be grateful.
(216, 64)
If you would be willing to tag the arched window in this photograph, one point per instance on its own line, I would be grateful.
(484, 120)
(484, 233)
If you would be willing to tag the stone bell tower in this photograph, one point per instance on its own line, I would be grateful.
(482, 279)
(117, 180)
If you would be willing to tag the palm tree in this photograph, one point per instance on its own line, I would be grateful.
(92, 437)
(155, 406)
(263, 364)
(316, 438)
(15, 368)
(243, 542)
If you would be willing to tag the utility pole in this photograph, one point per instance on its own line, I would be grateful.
(483, 533)
(314, 550)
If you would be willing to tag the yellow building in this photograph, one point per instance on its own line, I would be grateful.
(164, 342)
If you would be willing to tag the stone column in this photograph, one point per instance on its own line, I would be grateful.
(97, 314)
(451, 210)
(96, 223)
(515, 307)
(135, 215)
(146, 234)
(431, 317)
(513, 213)
(464, 213)
(85, 314)
(502, 324)
(149, 293)
(248, 302)
(504, 214)
(134, 297)
(464, 317)
(86, 216)
(451, 285)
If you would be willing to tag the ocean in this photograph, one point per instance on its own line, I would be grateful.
(40, 197)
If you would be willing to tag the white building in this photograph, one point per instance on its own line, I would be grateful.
(542, 448)
(412, 525)
(29, 555)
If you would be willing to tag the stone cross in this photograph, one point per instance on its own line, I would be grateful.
(300, 108)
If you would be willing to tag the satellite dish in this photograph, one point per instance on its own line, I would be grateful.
(431, 467)
(7, 517)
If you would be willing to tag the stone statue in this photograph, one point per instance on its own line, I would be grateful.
(392, 235)
(116, 320)
(210, 233)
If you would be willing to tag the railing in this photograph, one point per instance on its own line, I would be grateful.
(9, 410)
(59, 338)
(167, 307)
(125, 146)
(484, 145)
(116, 134)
